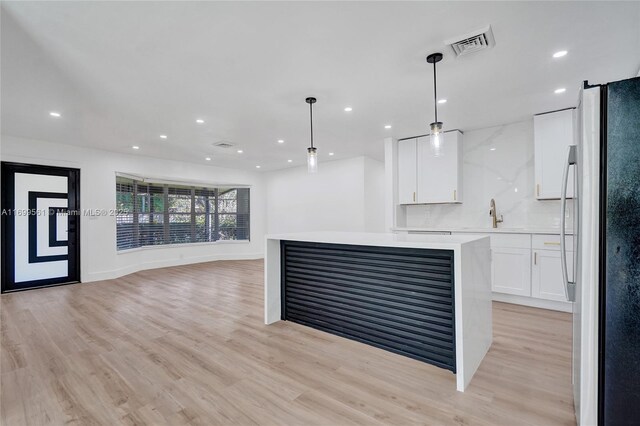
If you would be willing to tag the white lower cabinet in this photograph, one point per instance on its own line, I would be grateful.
(546, 271)
(526, 269)
(546, 275)
(511, 270)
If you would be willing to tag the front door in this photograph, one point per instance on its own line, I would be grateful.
(40, 226)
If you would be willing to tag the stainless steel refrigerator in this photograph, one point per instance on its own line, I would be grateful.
(606, 287)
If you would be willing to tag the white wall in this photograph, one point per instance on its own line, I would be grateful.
(345, 195)
(99, 258)
(374, 197)
(505, 174)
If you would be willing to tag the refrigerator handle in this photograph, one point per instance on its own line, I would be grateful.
(569, 287)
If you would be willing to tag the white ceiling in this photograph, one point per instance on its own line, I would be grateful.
(122, 73)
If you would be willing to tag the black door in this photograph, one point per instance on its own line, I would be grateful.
(40, 226)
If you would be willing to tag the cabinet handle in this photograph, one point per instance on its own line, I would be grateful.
(414, 196)
(535, 257)
(454, 195)
(537, 190)
(551, 243)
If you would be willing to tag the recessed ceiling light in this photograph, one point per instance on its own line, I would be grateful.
(492, 149)
(280, 141)
(348, 109)
(289, 161)
(560, 54)
(135, 147)
(163, 136)
(240, 151)
(257, 167)
(560, 90)
(199, 121)
(55, 114)
(388, 126)
(331, 153)
(208, 158)
(442, 101)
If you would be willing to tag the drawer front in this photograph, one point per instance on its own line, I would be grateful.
(550, 242)
(430, 232)
(522, 241)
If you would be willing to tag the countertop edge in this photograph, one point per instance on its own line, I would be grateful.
(539, 231)
(444, 242)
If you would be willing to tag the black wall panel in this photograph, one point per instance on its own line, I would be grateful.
(398, 299)
(620, 284)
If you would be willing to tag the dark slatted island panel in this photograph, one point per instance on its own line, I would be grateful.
(398, 299)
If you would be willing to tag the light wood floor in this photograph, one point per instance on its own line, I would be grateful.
(187, 345)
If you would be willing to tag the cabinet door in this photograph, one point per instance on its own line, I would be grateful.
(553, 133)
(439, 169)
(511, 271)
(546, 276)
(407, 161)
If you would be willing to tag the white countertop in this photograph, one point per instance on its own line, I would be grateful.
(551, 231)
(380, 239)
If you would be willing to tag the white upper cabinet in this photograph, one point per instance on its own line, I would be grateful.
(553, 133)
(429, 173)
(407, 171)
(440, 169)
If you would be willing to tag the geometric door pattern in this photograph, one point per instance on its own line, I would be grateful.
(51, 220)
(41, 243)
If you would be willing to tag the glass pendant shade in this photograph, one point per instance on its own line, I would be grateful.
(312, 160)
(436, 128)
(436, 136)
(312, 154)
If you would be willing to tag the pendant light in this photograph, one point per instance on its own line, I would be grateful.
(312, 155)
(436, 126)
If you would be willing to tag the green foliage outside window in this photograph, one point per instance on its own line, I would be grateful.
(152, 214)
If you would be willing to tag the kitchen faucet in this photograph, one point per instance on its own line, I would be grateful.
(494, 216)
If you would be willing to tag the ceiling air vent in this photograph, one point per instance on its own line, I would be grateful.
(472, 42)
(223, 144)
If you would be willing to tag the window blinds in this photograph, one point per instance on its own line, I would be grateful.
(157, 214)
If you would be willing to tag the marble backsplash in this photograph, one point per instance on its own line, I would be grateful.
(497, 163)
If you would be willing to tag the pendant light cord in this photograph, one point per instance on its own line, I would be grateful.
(435, 91)
(311, 117)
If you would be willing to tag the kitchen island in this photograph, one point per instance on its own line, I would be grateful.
(427, 297)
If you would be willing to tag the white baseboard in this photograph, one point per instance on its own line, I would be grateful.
(533, 302)
(117, 273)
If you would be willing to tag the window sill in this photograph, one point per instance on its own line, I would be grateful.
(167, 246)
